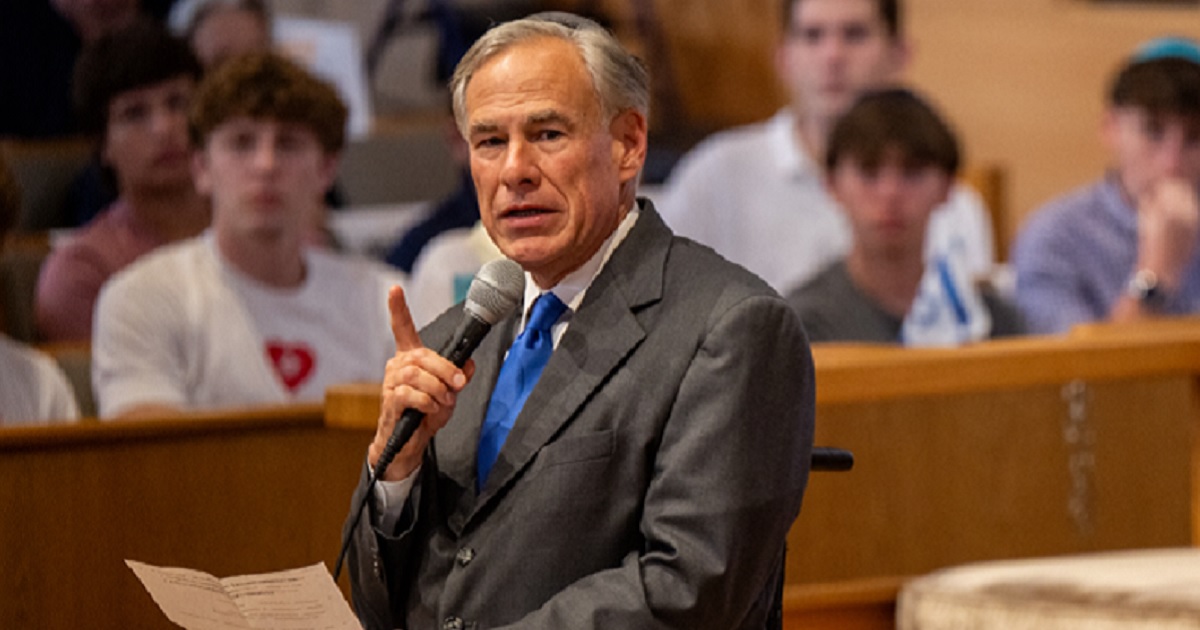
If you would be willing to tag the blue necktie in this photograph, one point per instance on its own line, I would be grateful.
(518, 374)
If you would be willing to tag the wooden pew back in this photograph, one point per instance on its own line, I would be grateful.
(21, 258)
(1012, 448)
(230, 493)
(961, 455)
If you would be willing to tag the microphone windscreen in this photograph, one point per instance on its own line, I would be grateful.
(496, 290)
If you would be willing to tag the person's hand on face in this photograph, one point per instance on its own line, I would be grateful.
(1168, 222)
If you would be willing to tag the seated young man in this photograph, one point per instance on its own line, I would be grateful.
(768, 174)
(890, 162)
(1124, 248)
(246, 314)
(132, 89)
(33, 388)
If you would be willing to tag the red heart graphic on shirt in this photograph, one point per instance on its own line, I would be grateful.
(293, 362)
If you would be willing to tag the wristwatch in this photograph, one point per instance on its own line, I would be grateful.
(1144, 287)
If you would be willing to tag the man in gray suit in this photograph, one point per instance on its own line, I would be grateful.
(651, 476)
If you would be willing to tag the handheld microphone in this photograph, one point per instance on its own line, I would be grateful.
(496, 290)
(493, 294)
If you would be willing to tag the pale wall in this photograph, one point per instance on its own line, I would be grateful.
(1024, 80)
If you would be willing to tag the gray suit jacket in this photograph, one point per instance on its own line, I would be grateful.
(649, 481)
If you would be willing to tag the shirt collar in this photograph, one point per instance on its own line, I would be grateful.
(573, 286)
(785, 150)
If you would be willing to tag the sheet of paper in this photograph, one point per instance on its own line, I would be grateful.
(190, 599)
(297, 599)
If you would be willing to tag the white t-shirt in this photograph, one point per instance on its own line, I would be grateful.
(444, 270)
(33, 389)
(183, 328)
(755, 197)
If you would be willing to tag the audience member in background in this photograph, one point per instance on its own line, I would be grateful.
(891, 160)
(458, 28)
(33, 388)
(756, 194)
(1124, 247)
(460, 210)
(39, 42)
(246, 314)
(215, 30)
(133, 88)
(444, 270)
(220, 29)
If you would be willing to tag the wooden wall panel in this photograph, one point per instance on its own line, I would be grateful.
(228, 499)
(951, 479)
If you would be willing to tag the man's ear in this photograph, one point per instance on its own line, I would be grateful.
(200, 175)
(947, 190)
(902, 54)
(629, 133)
(831, 187)
(783, 66)
(1109, 129)
(329, 168)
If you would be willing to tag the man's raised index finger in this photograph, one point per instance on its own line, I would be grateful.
(403, 329)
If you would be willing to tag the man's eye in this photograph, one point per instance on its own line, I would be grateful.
(811, 35)
(289, 142)
(489, 142)
(242, 141)
(1151, 126)
(549, 134)
(178, 102)
(132, 113)
(856, 33)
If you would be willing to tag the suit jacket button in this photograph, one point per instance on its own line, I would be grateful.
(452, 623)
(465, 556)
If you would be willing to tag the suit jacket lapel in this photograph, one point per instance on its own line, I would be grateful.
(601, 334)
(459, 439)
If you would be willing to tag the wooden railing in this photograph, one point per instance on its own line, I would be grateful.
(1013, 448)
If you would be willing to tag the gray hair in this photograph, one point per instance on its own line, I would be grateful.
(619, 78)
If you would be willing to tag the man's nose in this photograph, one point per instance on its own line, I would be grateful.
(520, 165)
(889, 183)
(166, 120)
(1172, 152)
(265, 155)
(833, 48)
